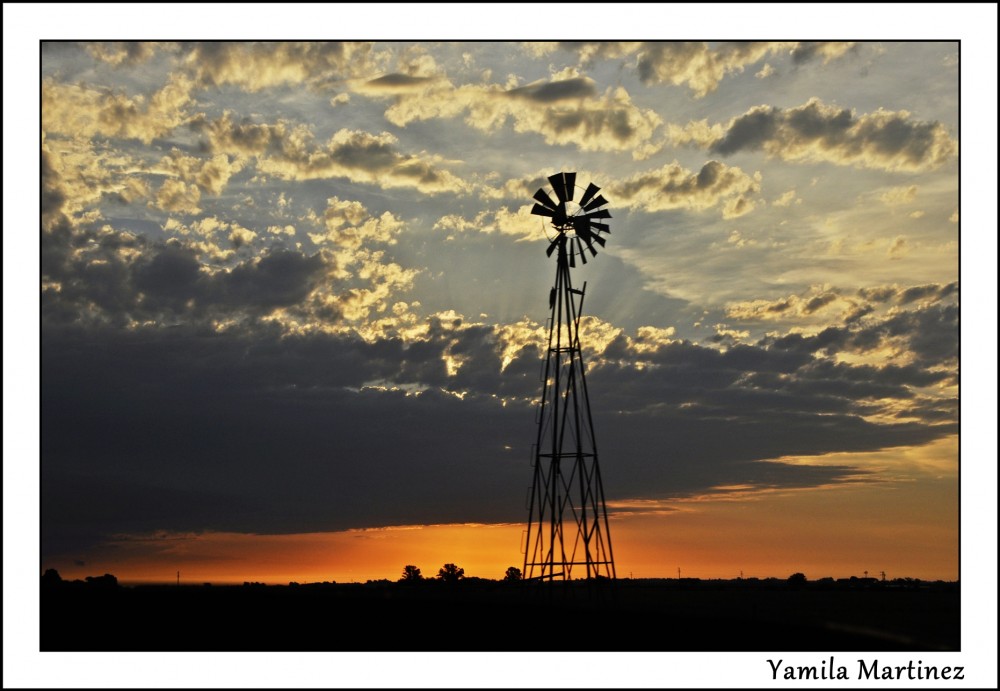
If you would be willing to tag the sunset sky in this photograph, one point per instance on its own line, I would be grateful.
(292, 301)
(293, 304)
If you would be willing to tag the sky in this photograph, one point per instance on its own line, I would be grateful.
(292, 294)
(292, 302)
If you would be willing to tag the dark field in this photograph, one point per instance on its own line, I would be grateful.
(477, 615)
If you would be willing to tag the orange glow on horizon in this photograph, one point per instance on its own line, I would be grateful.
(902, 527)
(712, 539)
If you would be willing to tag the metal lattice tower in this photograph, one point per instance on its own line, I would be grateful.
(568, 535)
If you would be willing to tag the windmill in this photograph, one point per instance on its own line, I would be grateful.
(568, 535)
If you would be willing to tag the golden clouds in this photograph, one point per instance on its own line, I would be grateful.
(791, 307)
(210, 175)
(787, 199)
(123, 52)
(564, 110)
(290, 152)
(519, 223)
(360, 157)
(514, 337)
(257, 66)
(675, 187)
(895, 196)
(80, 176)
(207, 236)
(383, 281)
(178, 196)
(883, 140)
(696, 65)
(82, 111)
(348, 225)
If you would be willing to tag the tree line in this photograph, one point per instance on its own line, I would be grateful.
(450, 573)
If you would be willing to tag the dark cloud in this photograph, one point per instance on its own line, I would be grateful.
(275, 279)
(286, 433)
(253, 66)
(673, 186)
(807, 51)
(817, 131)
(818, 302)
(749, 132)
(878, 294)
(553, 92)
(931, 291)
(930, 333)
(118, 277)
(53, 195)
(396, 83)
(124, 53)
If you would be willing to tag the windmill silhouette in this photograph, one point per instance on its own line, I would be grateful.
(568, 535)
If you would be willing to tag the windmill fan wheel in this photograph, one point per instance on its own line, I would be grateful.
(577, 224)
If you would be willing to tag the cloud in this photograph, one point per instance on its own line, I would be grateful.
(674, 187)
(894, 196)
(697, 65)
(787, 308)
(827, 50)
(926, 337)
(123, 53)
(81, 111)
(175, 195)
(396, 84)
(883, 140)
(348, 225)
(898, 247)
(787, 199)
(215, 272)
(290, 152)
(209, 174)
(254, 66)
(313, 420)
(519, 223)
(555, 91)
(820, 303)
(564, 110)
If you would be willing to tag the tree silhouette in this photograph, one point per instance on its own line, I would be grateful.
(411, 574)
(513, 574)
(107, 581)
(449, 573)
(797, 580)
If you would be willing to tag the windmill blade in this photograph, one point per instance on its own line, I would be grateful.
(598, 201)
(570, 180)
(558, 186)
(552, 245)
(572, 260)
(590, 246)
(592, 189)
(582, 226)
(544, 199)
(601, 227)
(603, 213)
(598, 239)
(540, 210)
(583, 256)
